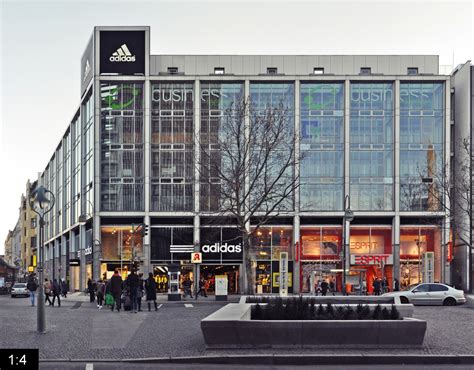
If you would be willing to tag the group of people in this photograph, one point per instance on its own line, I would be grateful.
(130, 292)
(52, 289)
(188, 284)
(322, 287)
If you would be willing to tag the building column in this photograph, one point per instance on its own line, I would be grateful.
(81, 249)
(445, 265)
(147, 175)
(296, 219)
(63, 259)
(197, 177)
(396, 192)
(347, 156)
(96, 247)
(245, 252)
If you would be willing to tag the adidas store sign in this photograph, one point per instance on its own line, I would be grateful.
(222, 248)
(122, 55)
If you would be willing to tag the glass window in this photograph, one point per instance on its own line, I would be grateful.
(422, 288)
(438, 288)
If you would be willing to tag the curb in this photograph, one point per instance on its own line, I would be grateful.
(293, 360)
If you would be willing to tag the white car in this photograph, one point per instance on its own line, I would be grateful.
(430, 294)
(19, 289)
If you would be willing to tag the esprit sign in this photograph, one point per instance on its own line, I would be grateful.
(371, 259)
(222, 248)
(364, 245)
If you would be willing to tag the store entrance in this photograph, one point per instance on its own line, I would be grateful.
(208, 272)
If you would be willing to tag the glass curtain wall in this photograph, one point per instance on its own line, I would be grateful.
(122, 147)
(217, 105)
(421, 145)
(76, 172)
(280, 98)
(88, 156)
(322, 147)
(67, 180)
(371, 146)
(172, 166)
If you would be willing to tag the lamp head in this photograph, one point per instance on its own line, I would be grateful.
(40, 199)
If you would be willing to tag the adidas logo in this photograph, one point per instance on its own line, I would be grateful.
(122, 55)
(87, 69)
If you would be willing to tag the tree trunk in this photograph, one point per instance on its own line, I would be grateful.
(249, 270)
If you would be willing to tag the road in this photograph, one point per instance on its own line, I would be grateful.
(78, 330)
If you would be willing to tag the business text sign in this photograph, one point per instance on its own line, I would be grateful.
(371, 259)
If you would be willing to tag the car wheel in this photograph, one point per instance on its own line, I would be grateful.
(404, 300)
(449, 302)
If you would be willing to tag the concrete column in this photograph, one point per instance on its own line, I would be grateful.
(82, 246)
(347, 148)
(96, 248)
(446, 266)
(63, 259)
(147, 175)
(396, 198)
(296, 220)
(96, 231)
(197, 177)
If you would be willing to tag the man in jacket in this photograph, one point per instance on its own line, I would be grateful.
(116, 285)
(32, 286)
(150, 287)
(56, 290)
(133, 282)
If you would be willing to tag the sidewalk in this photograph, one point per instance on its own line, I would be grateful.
(162, 298)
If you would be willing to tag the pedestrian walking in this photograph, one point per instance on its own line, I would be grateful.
(202, 290)
(116, 285)
(90, 289)
(47, 291)
(64, 288)
(32, 286)
(132, 283)
(396, 285)
(56, 290)
(377, 286)
(187, 284)
(100, 293)
(384, 285)
(332, 287)
(140, 291)
(324, 287)
(317, 287)
(150, 288)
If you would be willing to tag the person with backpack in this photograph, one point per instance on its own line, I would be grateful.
(32, 286)
(100, 293)
(150, 288)
(47, 290)
(56, 290)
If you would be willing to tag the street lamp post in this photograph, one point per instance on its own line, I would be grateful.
(348, 217)
(41, 205)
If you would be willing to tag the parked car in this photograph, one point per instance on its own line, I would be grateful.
(430, 294)
(19, 289)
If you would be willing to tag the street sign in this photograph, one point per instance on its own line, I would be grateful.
(196, 257)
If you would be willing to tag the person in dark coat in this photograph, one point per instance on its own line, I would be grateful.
(202, 290)
(150, 288)
(324, 287)
(396, 285)
(140, 291)
(32, 285)
(64, 288)
(116, 285)
(377, 286)
(133, 283)
(90, 288)
(56, 291)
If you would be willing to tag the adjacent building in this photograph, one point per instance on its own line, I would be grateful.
(376, 128)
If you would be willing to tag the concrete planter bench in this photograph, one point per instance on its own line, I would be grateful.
(231, 327)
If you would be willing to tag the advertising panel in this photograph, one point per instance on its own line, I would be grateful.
(87, 65)
(427, 263)
(221, 285)
(122, 52)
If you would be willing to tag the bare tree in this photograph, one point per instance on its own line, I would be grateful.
(247, 170)
(446, 189)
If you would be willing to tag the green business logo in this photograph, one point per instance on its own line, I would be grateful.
(312, 105)
(113, 99)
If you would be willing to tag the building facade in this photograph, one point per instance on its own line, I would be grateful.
(374, 128)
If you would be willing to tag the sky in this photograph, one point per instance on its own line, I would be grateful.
(42, 43)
